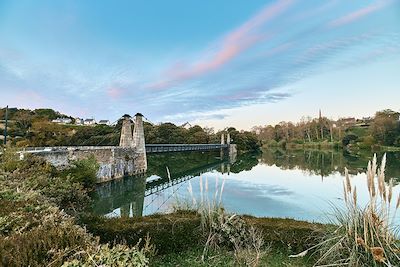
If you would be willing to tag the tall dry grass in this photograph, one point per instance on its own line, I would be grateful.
(222, 229)
(365, 235)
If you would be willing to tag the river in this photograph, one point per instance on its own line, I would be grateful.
(301, 184)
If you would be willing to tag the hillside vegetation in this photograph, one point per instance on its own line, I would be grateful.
(381, 131)
(35, 128)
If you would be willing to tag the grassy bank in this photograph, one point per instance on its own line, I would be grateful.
(174, 232)
(223, 258)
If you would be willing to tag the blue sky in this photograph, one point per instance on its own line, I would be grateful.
(216, 63)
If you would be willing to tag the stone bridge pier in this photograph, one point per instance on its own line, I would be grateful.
(129, 158)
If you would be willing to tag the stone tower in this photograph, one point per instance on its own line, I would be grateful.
(139, 142)
(126, 139)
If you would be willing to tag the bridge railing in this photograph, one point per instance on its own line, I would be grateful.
(150, 148)
(154, 148)
(63, 148)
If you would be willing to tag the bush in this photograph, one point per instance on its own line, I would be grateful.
(83, 171)
(272, 143)
(9, 160)
(66, 194)
(348, 139)
(116, 256)
(282, 143)
(52, 241)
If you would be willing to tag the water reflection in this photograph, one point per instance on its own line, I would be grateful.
(126, 197)
(325, 163)
(274, 183)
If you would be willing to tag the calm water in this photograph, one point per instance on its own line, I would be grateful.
(275, 183)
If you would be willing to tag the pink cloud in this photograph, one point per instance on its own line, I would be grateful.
(231, 46)
(115, 92)
(29, 96)
(358, 14)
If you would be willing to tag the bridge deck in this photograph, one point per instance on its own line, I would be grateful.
(158, 148)
(150, 148)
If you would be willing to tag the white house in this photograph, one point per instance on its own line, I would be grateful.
(89, 122)
(78, 121)
(62, 121)
(104, 122)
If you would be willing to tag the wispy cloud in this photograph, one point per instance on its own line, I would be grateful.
(231, 46)
(259, 61)
(359, 14)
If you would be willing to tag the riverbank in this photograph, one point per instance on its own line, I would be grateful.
(325, 145)
(180, 242)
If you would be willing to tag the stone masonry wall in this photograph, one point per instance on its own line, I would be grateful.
(115, 162)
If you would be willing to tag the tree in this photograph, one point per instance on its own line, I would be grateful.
(23, 120)
(385, 127)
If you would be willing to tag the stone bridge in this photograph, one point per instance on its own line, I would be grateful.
(127, 159)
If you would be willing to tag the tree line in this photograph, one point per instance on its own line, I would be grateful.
(34, 128)
(382, 129)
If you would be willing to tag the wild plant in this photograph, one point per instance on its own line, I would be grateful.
(117, 255)
(223, 229)
(364, 235)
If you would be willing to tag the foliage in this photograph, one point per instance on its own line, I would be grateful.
(367, 142)
(43, 244)
(35, 229)
(34, 128)
(348, 139)
(364, 236)
(82, 171)
(117, 256)
(386, 127)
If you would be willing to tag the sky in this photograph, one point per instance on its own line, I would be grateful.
(213, 63)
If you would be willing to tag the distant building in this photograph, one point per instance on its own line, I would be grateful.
(347, 121)
(62, 121)
(78, 121)
(186, 125)
(89, 122)
(104, 122)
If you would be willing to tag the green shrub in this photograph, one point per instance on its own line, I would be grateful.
(9, 160)
(117, 256)
(282, 143)
(272, 143)
(83, 171)
(43, 244)
(349, 139)
(67, 194)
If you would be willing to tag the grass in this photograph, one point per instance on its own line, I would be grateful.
(364, 235)
(223, 258)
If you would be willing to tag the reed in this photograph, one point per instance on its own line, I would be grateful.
(222, 229)
(364, 235)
